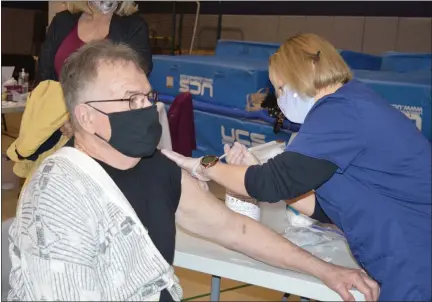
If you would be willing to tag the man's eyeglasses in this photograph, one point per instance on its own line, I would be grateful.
(136, 100)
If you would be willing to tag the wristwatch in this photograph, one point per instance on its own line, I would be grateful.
(209, 161)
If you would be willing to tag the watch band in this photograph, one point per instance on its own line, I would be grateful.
(198, 175)
(209, 161)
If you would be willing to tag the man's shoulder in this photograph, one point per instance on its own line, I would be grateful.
(160, 161)
(161, 170)
(60, 179)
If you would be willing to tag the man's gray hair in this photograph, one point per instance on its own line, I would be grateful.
(81, 68)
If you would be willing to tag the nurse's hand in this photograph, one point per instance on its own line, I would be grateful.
(341, 280)
(189, 164)
(238, 154)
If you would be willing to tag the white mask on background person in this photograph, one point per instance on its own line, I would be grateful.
(105, 7)
(293, 106)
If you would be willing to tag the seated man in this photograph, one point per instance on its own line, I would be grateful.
(97, 220)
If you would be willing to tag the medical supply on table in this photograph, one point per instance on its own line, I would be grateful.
(23, 80)
(25, 86)
(293, 209)
(16, 91)
(243, 205)
(12, 92)
(305, 231)
(304, 236)
(7, 73)
(21, 77)
(297, 219)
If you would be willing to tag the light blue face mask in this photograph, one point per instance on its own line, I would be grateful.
(293, 106)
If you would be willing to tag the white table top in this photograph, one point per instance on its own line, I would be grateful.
(9, 107)
(200, 255)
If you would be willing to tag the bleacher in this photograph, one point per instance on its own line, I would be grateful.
(221, 84)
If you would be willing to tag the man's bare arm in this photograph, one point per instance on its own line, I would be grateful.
(203, 214)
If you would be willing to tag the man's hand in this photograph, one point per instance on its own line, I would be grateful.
(201, 213)
(238, 154)
(341, 280)
(189, 164)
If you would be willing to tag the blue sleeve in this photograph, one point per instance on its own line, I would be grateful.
(332, 131)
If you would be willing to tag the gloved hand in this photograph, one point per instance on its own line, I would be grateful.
(238, 154)
(189, 164)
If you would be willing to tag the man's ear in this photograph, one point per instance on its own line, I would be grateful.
(84, 116)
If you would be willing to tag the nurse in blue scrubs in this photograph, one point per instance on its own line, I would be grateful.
(369, 166)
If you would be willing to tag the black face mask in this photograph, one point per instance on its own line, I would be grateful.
(134, 133)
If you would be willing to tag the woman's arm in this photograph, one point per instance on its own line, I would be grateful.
(202, 214)
(45, 69)
(140, 42)
(231, 177)
(287, 176)
(305, 204)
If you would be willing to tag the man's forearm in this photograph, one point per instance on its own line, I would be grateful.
(259, 242)
(231, 177)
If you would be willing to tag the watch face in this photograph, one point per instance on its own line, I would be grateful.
(208, 159)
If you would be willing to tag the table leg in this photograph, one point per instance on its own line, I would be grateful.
(285, 297)
(215, 289)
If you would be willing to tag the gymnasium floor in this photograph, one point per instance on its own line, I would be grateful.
(196, 286)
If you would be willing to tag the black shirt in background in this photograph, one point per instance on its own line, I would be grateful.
(131, 30)
(153, 188)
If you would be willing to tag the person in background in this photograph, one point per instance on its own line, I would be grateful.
(367, 163)
(97, 220)
(86, 21)
(81, 23)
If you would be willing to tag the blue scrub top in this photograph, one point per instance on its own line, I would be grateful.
(380, 195)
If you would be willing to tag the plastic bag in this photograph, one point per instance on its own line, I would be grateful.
(305, 231)
(297, 219)
(302, 236)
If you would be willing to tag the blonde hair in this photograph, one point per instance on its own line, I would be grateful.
(126, 8)
(308, 63)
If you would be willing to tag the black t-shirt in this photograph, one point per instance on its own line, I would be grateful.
(153, 188)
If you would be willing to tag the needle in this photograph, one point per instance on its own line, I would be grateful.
(225, 154)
